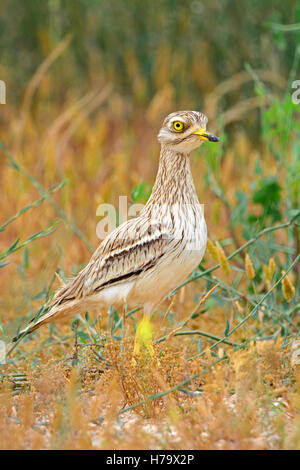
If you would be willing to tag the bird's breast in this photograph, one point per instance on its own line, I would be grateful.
(188, 225)
(188, 235)
(186, 231)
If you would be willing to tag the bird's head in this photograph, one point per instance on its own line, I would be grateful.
(184, 131)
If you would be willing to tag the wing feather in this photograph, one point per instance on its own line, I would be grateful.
(130, 249)
(125, 253)
(134, 247)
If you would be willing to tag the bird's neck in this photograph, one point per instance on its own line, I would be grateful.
(174, 179)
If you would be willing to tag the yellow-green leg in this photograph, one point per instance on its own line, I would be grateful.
(143, 340)
(143, 337)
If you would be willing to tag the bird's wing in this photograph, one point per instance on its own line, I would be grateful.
(134, 247)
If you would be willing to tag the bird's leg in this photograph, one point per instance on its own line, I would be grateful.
(143, 337)
(143, 347)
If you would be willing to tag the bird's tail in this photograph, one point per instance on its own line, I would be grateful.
(48, 316)
(63, 304)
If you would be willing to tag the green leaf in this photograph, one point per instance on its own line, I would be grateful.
(83, 337)
(25, 258)
(226, 331)
(4, 264)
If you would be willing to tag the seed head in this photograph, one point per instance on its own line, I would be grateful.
(287, 288)
(249, 267)
(222, 259)
(212, 249)
(271, 267)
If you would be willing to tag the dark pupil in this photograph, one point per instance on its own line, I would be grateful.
(177, 125)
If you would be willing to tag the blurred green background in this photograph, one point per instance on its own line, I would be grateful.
(141, 46)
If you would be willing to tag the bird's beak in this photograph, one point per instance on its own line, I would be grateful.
(204, 135)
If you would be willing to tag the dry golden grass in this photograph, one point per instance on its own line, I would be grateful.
(58, 394)
(251, 402)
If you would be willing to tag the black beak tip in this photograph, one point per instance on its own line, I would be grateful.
(213, 138)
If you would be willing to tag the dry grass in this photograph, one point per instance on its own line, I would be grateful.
(77, 388)
(249, 402)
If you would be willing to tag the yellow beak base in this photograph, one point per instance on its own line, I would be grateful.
(204, 135)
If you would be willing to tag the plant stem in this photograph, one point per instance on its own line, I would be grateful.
(46, 195)
(253, 311)
(197, 332)
(248, 243)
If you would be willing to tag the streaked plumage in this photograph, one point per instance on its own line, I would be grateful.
(145, 258)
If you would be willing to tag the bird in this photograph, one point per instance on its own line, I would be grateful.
(145, 258)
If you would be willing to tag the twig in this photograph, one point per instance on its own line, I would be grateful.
(37, 203)
(159, 395)
(200, 333)
(181, 384)
(15, 246)
(47, 196)
(248, 243)
(287, 28)
(253, 311)
(201, 302)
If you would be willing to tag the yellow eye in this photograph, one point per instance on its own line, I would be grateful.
(178, 126)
